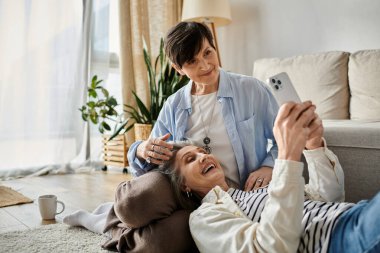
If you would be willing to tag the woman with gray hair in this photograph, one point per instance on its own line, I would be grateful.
(287, 216)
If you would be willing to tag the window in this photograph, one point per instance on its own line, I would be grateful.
(105, 59)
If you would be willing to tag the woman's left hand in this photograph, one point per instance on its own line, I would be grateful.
(259, 178)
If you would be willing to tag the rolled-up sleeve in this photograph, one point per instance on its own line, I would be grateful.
(326, 177)
(138, 167)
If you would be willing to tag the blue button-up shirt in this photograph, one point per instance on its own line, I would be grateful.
(249, 110)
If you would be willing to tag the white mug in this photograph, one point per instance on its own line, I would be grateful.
(48, 206)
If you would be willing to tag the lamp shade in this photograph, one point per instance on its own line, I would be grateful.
(216, 11)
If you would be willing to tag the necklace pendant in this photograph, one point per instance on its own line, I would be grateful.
(206, 140)
(207, 149)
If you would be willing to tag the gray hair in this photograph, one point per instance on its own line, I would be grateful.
(169, 168)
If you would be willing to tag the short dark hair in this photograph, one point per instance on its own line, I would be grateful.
(188, 202)
(185, 40)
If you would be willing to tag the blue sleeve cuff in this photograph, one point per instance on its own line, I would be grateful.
(268, 162)
(271, 157)
(136, 166)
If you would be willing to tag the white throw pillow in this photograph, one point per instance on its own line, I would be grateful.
(321, 78)
(364, 79)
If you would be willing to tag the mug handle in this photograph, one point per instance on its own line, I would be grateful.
(63, 206)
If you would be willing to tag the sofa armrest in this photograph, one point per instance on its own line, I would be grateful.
(357, 145)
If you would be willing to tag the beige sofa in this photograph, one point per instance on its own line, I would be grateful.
(346, 89)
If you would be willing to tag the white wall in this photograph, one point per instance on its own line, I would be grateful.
(283, 28)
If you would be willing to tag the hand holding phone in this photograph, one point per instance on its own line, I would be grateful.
(283, 89)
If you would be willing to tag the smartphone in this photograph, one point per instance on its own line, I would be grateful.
(283, 89)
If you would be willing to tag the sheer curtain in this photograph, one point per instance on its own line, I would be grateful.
(49, 50)
(43, 73)
(104, 62)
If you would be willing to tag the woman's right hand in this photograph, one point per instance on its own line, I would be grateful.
(291, 129)
(155, 150)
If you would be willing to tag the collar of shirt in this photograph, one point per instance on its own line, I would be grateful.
(224, 90)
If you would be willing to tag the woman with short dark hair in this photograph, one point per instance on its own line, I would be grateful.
(230, 115)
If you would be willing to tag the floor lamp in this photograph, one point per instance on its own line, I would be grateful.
(211, 12)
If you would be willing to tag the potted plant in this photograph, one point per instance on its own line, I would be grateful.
(163, 81)
(100, 110)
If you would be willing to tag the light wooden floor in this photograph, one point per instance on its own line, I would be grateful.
(77, 191)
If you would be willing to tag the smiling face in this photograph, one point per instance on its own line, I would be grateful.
(200, 171)
(203, 68)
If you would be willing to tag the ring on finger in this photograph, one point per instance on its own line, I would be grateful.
(260, 180)
(153, 147)
(148, 160)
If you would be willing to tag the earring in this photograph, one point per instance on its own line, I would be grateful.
(189, 194)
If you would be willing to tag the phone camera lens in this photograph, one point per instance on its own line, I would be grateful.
(276, 87)
(273, 80)
(278, 81)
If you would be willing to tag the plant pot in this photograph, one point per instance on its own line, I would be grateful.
(142, 131)
(115, 151)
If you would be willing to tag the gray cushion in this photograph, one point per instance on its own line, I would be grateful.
(357, 145)
(350, 133)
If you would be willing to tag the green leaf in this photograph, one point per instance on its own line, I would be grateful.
(111, 101)
(129, 128)
(105, 92)
(93, 81)
(91, 104)
(130, 107)
(111, 112)
(101, 128)
(142, 108)
(103, 113)
(94, 119)
(134, 114)
(101, 103)
(92, 93)
(106, 126)
(121, 127)
(85, 116)
(151, 72)
(162, 54)
(98, 86)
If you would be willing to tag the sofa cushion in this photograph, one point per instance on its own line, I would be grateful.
(357, 145)
(321, 78)
(350, 133)
(364, 80)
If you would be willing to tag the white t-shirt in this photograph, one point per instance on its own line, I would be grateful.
(202, 108)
